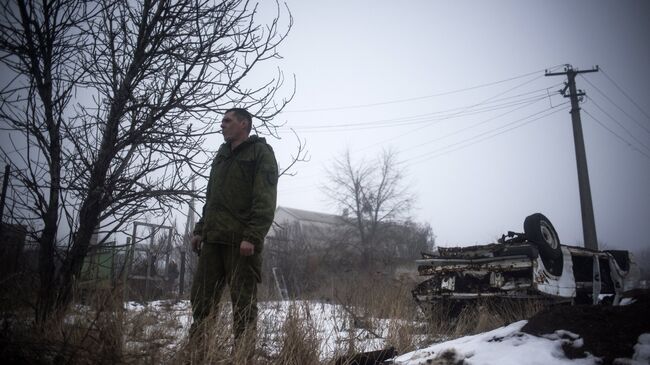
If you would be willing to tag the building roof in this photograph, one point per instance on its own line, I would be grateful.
(309, 216)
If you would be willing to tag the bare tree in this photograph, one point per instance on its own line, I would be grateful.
(41, 45)
(147, 79)
(370, 194)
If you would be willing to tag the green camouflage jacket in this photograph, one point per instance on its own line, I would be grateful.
(241, 195)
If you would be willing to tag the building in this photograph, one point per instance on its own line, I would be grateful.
(314, 229)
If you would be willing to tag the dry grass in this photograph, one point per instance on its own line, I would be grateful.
(477, 316)
(213, 346)
(371, 309)
(300, 342)
(84, 337)
(383, 308)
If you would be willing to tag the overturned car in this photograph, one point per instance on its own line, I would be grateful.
(526, 265)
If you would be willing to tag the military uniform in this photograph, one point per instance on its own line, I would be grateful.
(240, 204)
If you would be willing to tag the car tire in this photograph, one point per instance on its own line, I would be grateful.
(541, 233)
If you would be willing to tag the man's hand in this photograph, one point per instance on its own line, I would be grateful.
(246, 248)
(196, 243)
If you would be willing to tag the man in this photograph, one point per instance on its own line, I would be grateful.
(238, 212)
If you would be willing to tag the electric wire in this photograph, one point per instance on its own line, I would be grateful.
(468, 107)
(616, 105)
(425, 118)
(619, 124)
(474, 125)
(358, 106)
(624, 93)
(415, 122)
(453, 147)
(625, 141)
(486, 135)
(485, 101)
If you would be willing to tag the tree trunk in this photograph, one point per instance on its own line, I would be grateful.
(47, 240)
(71, 268)
(47, 250)
(94, 204)
(46, 272)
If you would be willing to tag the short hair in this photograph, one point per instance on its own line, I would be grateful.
(242, 113)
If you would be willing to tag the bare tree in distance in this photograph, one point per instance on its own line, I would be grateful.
(148, 80)
(369, 193)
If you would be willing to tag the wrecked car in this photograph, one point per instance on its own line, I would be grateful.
(528, 265)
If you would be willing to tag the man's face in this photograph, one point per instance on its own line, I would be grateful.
(232, 128)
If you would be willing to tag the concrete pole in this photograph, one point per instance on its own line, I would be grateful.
(586, 206)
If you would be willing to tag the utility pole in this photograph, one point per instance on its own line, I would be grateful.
(586, 206)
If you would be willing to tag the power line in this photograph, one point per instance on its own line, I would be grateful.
(468, 107)
(419, 121)
(615, 134)
(437, 115)
(462, 109)
(624, 93)
(358, 106)
(486, 135)
(466, 128)
(618, 107)
(521, 122)
(619, 123)
(473, 125)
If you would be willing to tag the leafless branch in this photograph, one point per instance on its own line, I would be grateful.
(301, 155)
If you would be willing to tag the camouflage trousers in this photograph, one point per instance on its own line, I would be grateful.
(221, 265)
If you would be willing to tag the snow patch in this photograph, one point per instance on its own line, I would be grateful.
(505, 346)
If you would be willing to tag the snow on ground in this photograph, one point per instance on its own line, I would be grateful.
(334, 328)
(163, 321)
(331, 324)
(506, 345)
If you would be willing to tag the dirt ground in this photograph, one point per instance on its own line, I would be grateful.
(609, 332)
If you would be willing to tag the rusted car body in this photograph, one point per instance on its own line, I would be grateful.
(517, 267)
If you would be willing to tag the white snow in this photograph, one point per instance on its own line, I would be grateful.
(334, 328)
(506, 345)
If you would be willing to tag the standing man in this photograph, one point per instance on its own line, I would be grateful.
(238, 212)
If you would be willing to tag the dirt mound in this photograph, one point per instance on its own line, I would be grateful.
(609, 332)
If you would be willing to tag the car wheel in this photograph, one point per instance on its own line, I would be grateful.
(541, 233)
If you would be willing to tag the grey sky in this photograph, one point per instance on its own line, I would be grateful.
(352, 53)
